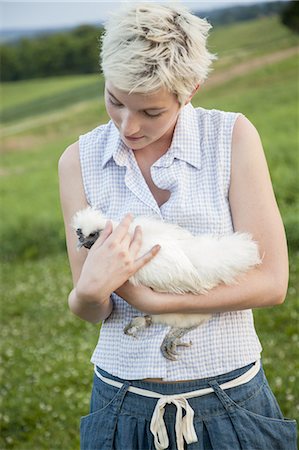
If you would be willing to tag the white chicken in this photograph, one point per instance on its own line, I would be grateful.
(185, 263)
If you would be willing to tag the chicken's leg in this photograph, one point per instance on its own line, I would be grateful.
(137, 324)
(172, 341)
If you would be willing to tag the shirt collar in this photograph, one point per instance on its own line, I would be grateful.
(185, 142)
(113, 146)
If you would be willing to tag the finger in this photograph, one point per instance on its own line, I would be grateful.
(107, 231)
(122, 228)
(136, 241)
(140, 262)
(125, 243)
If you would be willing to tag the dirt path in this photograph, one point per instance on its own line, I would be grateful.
(243, 68)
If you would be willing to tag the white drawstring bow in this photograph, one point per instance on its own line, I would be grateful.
(184, 426)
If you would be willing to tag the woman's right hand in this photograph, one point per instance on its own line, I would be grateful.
(112, 260)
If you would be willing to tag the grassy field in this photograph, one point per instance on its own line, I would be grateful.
(246, 40)
(45, 351)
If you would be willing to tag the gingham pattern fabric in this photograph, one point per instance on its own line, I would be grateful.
(196, 170)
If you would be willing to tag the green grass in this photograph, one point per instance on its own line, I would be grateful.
(45, 371)
(44, 389)
(243, 41)
(47, 97)
(16, 94)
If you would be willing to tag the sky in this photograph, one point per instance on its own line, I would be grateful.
(23, 15)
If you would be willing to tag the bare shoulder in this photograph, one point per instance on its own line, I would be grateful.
(242, 127)
(250, 178)
(69, 160)
(72, 192)
(69, 168)
(72, 199)
(249, 168)
(252, 201)
(246, 142)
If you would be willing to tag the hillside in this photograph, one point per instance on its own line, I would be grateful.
(233, 44)
(218, 16)
(46, 349)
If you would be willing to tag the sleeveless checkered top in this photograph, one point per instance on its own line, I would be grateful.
(196, 170)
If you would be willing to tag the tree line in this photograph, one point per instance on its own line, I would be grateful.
(228, 15)
(77, 51)
(64, 53)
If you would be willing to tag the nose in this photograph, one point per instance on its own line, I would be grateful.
(130, 124)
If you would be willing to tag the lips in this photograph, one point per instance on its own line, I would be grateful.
(131, 138)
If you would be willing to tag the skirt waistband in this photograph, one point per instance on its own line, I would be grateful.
(242, 379)
(185, 430)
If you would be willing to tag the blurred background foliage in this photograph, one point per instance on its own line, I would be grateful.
(76, 51)
(45, 374)
(64, 53)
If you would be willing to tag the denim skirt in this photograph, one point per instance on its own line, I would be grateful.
(246, 417)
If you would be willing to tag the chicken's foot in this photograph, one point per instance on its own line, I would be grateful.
(172, 340)
(137, 324)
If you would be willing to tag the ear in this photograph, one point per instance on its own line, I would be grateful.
(192, 94)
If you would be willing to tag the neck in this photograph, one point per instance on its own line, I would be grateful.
(154, 151)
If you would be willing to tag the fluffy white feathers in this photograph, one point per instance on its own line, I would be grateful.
(88, 220)
(185, 263)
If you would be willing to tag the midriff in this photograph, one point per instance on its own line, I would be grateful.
(160, 380)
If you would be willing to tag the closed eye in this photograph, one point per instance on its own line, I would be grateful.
(113, 102)
(153, 115)
(148, 113)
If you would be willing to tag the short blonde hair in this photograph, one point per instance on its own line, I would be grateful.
(148, 46)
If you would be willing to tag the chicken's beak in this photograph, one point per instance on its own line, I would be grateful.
(80, 242)
(79, 245)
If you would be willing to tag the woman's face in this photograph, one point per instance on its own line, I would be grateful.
(143, 119)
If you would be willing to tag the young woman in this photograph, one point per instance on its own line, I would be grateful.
(204, 170)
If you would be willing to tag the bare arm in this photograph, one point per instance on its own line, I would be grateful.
(72, 199)
(254, 210)
(112, 259)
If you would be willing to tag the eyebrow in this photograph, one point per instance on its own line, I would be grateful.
(145, 109)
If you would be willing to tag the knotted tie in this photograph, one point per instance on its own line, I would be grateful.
(184, 427)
